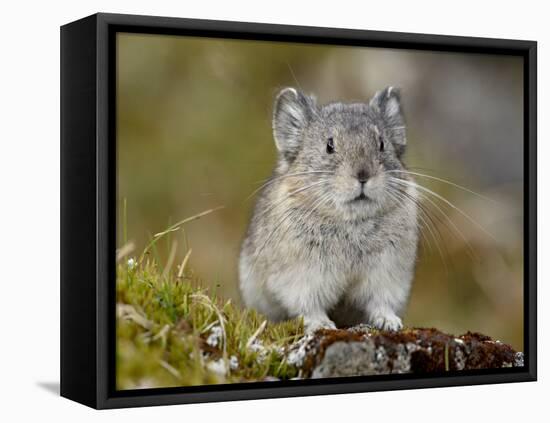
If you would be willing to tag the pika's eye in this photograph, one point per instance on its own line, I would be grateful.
(381, 143)
(330, 145)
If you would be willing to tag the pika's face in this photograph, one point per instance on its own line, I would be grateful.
(344, 153)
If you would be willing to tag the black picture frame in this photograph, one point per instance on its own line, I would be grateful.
(88, 193)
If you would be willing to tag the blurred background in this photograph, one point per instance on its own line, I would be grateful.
(194, 132)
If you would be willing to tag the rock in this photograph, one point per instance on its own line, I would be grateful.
(365, 351)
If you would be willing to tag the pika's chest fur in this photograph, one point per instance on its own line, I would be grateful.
(333, 245)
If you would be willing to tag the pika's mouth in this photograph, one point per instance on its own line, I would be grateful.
(361, 197)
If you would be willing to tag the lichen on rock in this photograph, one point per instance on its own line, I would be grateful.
(366, 351)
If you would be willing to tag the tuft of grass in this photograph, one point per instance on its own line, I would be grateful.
(173, 332)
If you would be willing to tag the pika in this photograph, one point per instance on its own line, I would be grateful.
(334, 232)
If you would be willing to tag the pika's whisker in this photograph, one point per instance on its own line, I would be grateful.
(443, 199)
(445, 181)
(290, 194)
(271, 180)
(428, 215)
(433, 229)
(401, 201)
(451, 226)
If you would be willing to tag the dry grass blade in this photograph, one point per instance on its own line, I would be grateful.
(184, 263)
(126, 311)
(125, 250)
(256, 334)
(175, 227)
(171, 258)
(208, 303)
(173, 371)
(162, 333)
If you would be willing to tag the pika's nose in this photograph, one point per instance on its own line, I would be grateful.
(362, 176)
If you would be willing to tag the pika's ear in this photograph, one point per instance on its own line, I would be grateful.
(387, 105)
(292, 113)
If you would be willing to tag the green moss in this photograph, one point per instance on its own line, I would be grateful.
(172, 332)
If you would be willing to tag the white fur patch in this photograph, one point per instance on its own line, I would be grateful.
(392, 107)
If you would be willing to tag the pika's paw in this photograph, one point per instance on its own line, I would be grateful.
(312, 324)
(388, 321)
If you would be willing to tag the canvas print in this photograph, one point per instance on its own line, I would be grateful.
(289, 211)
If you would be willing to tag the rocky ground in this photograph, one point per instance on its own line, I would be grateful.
(365, 351)
(171, 332)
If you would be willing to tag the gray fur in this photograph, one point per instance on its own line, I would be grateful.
(314, 248)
